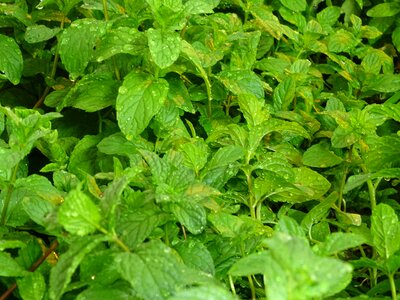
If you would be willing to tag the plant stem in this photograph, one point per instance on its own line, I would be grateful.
(8, 196)
(232, 285)
(107, 18)
(252, 288)
(105, 10)
(392, 286)
(35, 265)
(115, 238)
(372, 195)
(342, 183)
(53, 71)
(251, 193)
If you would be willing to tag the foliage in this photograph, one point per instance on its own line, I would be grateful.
(199, 149)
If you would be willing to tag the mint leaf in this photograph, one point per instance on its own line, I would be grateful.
(164, 46)
(196, 255)
(39, 33)
(319, 156)
(242, 82)
(203, 292)
(78, 214)
(9, 267)
(11, 62)
(295, 5)
(135, 226)
(385, 229)
(190, 214)
(139, 98)
(32, 286)
(77, 43)
(61, 273)
(120, 40)
(384, 10)
(161, 271)
(284, 93)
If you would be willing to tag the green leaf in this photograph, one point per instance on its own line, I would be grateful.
(242, 82)
(319, 156)
(196, 255)
(383, 152)
(284, 93)
(117, 144)
(78, 214)
(322, 276)
(92, 93)
(384, 10)
(319, 211)
(139, 98)
(308, 185)
(220, 168)
(11, 62)
(104, 293)
(200, 7)
(338, 242)
(83, 157)
(39, 33)
(329, 15)
(9, 267)
(77, 43)
(285, 274)
(295, 5)
(161, 271)
(209, 292)
(357, 180)
(165, 46)
(99, 268)
(9, 158)
(342, 41)
(396, 37)
(385, 229)
(285, 128)
(244, 50)
(289, 226)
(255, 263)
(135, 226)
(196, 154)
(252, 109)
(311, 182)
(384, 83)
(61, 273)
(32, 286)
(121, 40)
(190, 214)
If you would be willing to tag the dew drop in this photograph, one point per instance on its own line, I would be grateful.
(123, 90)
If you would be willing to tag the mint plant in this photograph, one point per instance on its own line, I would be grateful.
(199, 149)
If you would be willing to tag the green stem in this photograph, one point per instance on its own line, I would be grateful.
(115, 238)
(107, 18)
(252, 205)
(392, 286)
(252, 288)
(8, 196)
(232, 285)
(105, 10)
(372, 195)
(53, 71)
(341, 188)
